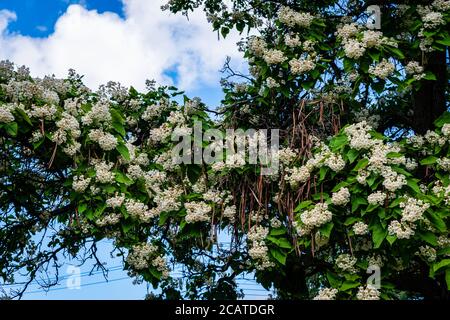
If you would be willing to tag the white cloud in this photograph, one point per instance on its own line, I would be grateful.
(144, 45)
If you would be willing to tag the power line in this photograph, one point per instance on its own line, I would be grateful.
(84, 274)
(84, 285)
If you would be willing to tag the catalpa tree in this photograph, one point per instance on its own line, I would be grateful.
(362, 181)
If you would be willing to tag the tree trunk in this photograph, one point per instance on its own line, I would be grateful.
(429, 101)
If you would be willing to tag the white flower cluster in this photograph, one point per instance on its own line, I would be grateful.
(413, 67)
(135, 172)
(444, 163)
(108, 220)
(359, 136)
(446, 130)
(347, 31)
(271, 83)
(383, 69)
(433, 20)
(138, 210)
(230, 213)
(354, 46)
(292, 18)
(161, 133)
(80, 183)
(286, 155)
(292, 40)
(377, 198)
(144, 256)
(341, 198)
(400, 230)
(300, 66)
(99, 113)
(354, 49)
(154, 179)
(258, 250)
(274, 56)
(154, 110)
(360, 228)
(297, 175)
(413, 209)
(197, 212)
(106, 140)
(427, 253)
(168, 200)
(103, 173)
(392, 180)
(326, 294)
(116, 201)
(317, 216)
(6, 115)
(346, 262)
(368, 293)
(257, 46)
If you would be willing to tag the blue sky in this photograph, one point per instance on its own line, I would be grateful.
(129, 42)
(37, 18)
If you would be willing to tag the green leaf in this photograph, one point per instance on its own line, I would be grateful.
(123, 150)
(121, 178)
(361, 164)
(428, 160)
(352, 154)
(357, 201)
(340, 185)
(326, 229)
(119, 128)
(443, 119)
(333, 279)
(443, 251)
(391, 238)
(322, 173)
(116, 117)
(347, 285)
(163, 218)
(302, 205)
(126, 226)
(440, 265)
(280, 242)
(428, 237)
(82, 208)
(374, 55)
(348, 65)
(392, 155)
(395, 52)
(277, 231)
(11, 128)
(378, 235)
(350, 221)
(338, 141)
(437, 221)
(24, 116)
(445, 42)
(193, 173)
(429, 76)
(279, 256)
(412, 183)
(224, 31)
